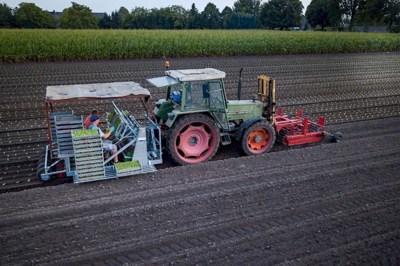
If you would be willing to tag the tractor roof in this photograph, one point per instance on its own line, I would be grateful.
(96, 91)
(173, 77)
(196, 74)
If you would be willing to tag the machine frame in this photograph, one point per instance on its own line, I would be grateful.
(74, 152)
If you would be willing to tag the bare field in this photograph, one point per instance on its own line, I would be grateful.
(317, 204)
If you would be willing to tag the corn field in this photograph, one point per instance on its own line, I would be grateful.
(18, 45)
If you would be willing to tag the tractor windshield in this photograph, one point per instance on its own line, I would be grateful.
(203, 94)
(195, 95)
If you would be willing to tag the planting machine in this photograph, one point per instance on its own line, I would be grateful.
(193, 120)
(78, 153)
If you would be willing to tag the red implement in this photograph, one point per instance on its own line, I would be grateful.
(298, 130)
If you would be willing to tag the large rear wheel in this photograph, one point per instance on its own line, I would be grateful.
(193, 139)
(258, 138)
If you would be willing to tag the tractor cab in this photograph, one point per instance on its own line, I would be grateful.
(191, 91)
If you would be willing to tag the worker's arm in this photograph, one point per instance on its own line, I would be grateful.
(106, 135)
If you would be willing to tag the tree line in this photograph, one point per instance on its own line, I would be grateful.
(347, 13)
(245, 14)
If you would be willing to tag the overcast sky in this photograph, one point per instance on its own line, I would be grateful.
(111, 5)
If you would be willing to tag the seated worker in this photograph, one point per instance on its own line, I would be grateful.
(107, 146)
(87, 122)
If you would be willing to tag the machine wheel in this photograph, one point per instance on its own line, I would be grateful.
(281, 136)
(193, 139)
(40, 167)
(258, 138)
(44, 180)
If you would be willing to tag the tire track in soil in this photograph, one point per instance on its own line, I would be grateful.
(217, 223)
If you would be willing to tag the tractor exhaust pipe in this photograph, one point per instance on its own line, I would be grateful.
(240, 84)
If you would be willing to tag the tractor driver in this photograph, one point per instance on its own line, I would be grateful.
(107, 145)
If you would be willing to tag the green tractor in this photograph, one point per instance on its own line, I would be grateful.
(199, 117)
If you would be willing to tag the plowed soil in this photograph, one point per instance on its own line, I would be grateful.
(318, 204)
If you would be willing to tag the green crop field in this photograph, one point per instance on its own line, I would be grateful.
(68, 45)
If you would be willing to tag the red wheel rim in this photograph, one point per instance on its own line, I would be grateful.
(195, 142)
(258, 140)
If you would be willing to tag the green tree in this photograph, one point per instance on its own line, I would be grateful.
(137, 19)
(392, 15)
(247, 14)
(105, 22)
(211, 17)
(247, 6)
(350, 9)
(7, 19)
(179, 16)
(323, 13)
(374, 12)
(194, 18)
(157, 19)
(226, 17)
(371, 12)
(116, 20)
(124, 13)
(78, 17)
(281, 14)
(172, 17)
(28, 15)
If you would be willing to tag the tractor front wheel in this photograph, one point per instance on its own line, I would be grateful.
(258, 138)
(193, 139)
